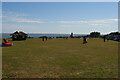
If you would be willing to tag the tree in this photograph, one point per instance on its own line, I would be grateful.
(114, 33)
(95, 34)
(43, 37)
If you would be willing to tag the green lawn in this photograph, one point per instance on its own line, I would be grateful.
(60, 58)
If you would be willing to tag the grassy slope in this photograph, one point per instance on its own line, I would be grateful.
(61, 58)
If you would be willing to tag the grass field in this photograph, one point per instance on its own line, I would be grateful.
(60, 58)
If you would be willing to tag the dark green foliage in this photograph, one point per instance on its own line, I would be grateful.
(43, 37)
(95, 34)
(114, 33)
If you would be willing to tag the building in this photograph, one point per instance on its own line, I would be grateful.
(19, 35)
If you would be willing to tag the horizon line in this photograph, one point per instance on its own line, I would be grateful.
(57, 33)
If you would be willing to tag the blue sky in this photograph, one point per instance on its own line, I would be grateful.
(60, 0)
(60, 17)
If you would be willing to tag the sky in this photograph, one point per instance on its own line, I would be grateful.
(60, 17)
(60, 0)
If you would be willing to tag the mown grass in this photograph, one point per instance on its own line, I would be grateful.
(60, 58)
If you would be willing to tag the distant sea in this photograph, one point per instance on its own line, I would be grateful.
(37, 35)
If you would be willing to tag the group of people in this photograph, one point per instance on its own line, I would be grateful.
(84, 39)
(44, 39)
(104, 38)
(5, 41)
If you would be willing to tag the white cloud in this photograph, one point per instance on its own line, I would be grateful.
(114, 19)
(15, 27)
(13, 14)
(95, 24)
(26, 20)
(21, 20)
(72, 21)
(99, 25)
(105, 21)
(68, 26)
(89, 21)
(99, 21)
(14, 17)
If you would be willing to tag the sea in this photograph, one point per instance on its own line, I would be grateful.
(37, 35)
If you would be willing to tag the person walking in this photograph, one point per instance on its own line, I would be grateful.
(104, 38)
(46, 38)
(107, 38)
(84, 40)
(42, 38)
(5, 40)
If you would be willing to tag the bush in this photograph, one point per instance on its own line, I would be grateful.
(95, 34)
(43, 37)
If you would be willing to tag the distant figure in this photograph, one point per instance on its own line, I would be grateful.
(42, 38)
(72, 36)
(50, 37)
(5, 41)
(46, 38)
(84, 40)
(107, 38)
(66, 38)
(104, 38)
